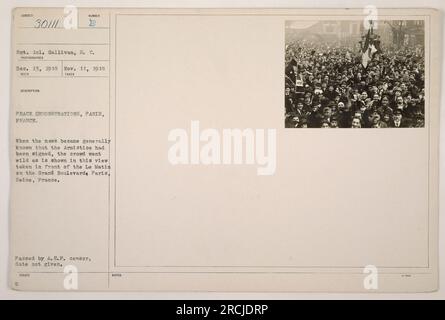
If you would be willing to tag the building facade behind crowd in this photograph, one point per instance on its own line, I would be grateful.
(327, 87)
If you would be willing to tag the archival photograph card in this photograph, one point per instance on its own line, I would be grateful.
(226, 150)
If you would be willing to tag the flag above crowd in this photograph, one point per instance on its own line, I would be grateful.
(370, 46)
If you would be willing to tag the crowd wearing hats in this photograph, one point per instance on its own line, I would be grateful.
(328, 87)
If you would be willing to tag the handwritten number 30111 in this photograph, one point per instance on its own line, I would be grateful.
(46, 24)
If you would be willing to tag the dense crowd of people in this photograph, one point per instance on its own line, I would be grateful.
(328, 87)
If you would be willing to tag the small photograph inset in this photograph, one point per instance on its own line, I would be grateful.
(349, 74)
